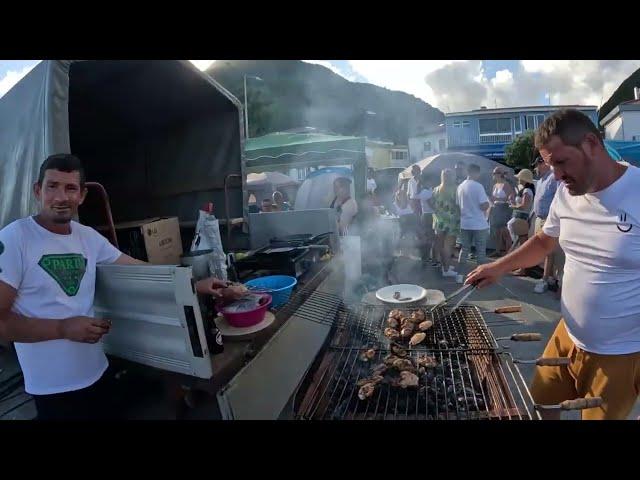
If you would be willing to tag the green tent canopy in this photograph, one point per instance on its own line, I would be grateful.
(298, 150)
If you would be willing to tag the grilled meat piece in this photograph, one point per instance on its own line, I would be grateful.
(391, 333)
(399, 351)
(408, 379)
(404, 364)
(417, 338)
(374, 379)
(407, 331)
(405, 322)
(418, 316)
(426, 361)
(395, 313)
(389, 359)
(392, 322)
(426, 325)
(379, 369)
(368, 355)
(366, 391)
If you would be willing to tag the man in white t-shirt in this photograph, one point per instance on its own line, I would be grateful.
(595, 217)
(474, 227)
(47, 285)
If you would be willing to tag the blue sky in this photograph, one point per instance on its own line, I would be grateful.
(455, 85)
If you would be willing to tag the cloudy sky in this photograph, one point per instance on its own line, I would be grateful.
(455, 85)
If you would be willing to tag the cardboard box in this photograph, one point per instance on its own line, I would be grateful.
(154, 240)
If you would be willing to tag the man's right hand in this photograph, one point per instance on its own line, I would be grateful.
(83, 329)
(485, 275)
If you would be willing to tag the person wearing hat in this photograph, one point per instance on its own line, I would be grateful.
(545, 191)
(519, 224)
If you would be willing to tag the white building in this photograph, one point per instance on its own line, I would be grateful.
(431, 142)
(623, 122)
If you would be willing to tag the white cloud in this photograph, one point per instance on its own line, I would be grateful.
(333, 68)
(463, 85)
(12, 77)
(404, 75)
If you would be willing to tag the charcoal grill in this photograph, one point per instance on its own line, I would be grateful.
(464, 385)
(472, 378)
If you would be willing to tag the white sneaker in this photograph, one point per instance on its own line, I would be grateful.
(459, 278)
(541, 286)
(449, 274)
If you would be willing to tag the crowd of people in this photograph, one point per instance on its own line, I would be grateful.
(436, 214)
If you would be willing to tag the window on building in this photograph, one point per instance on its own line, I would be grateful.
(539, 120)
(442, 144)
(399, 155)
(457, 124)
(427, 147)
(517, 127)
(466, 124)
(493, 126)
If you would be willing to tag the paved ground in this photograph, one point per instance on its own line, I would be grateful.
(540, 314)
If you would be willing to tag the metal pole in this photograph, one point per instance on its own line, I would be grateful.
(246, 110)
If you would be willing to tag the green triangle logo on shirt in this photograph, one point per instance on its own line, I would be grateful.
(66, 269)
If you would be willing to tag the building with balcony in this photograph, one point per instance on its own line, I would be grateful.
(487, 131)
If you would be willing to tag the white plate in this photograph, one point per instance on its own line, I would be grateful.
(414, 293)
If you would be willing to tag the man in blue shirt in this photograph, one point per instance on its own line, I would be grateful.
(545, 191)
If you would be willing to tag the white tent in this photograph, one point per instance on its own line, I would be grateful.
(275, 179)
(435, 164)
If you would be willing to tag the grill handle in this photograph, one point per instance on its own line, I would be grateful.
(508, 309)
(546, 362)
(525, 337)
(576, 404)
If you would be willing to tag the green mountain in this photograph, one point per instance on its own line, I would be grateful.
(622, 94)
(293, 94)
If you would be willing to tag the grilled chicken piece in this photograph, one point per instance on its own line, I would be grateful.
(404, 364)
(426, 361)
(374, 379)
(389, 359)
(399, 351)
(392, 322)
(368, 355)
(408, 379)
(366, 391)
(418, 316)
(379, 369)
(426, 325)
(407, 331)
(405, 322)
(395, 313)
(391, 333)
(417, 338)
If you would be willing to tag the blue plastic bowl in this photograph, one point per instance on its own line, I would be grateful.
(279, 286)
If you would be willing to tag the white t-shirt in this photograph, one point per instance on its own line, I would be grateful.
(348, 210)
(55, 277)
(424, 196)
(371, 185)
(600, 235)
(469, 196)
(412, 186)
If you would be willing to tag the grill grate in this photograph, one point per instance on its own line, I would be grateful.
(463, 385)
(360, 326)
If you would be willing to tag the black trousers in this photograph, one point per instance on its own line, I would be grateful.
(94, 402)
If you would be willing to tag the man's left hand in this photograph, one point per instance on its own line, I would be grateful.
(220, 289)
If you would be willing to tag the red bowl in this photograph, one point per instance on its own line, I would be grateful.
(250, 317)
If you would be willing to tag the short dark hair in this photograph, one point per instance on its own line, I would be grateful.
(65, 162)
(343, 182)
(570, 125)
(473, 168)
